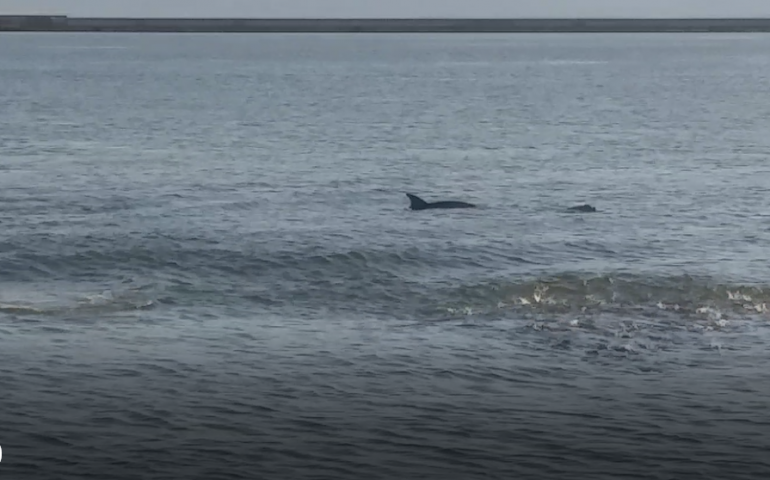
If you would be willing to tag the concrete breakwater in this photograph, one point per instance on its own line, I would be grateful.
(43, 23)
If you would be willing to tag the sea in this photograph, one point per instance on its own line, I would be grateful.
(209, 270)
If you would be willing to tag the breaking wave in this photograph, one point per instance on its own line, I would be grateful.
(570, 293)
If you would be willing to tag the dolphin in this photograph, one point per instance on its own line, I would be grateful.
(417, 203)
(582, 208)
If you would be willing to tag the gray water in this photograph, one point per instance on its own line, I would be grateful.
(208, 268)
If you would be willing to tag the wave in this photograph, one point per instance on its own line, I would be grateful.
(257, 259)
(426, 281)
(113, 301)
(560, 297)
(570, 293)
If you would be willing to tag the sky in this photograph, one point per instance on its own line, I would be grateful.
(391, 8)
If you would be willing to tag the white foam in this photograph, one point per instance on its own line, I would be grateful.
(15, 308)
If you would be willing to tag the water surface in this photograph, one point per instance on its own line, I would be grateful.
(208, 270)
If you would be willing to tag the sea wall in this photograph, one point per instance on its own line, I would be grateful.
(75, 24)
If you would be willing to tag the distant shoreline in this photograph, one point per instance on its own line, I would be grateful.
(43, 23)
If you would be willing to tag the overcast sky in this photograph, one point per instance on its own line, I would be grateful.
(393, 8)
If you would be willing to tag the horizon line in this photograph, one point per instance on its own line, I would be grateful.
(64, 23)
(208, 17)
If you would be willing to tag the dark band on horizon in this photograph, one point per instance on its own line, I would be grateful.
(63, 23)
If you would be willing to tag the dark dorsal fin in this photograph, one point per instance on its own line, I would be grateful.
(415, 202)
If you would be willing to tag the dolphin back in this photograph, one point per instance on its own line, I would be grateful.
(417, 203)
(582, 208)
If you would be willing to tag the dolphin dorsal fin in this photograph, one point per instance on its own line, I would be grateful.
(416, 202)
